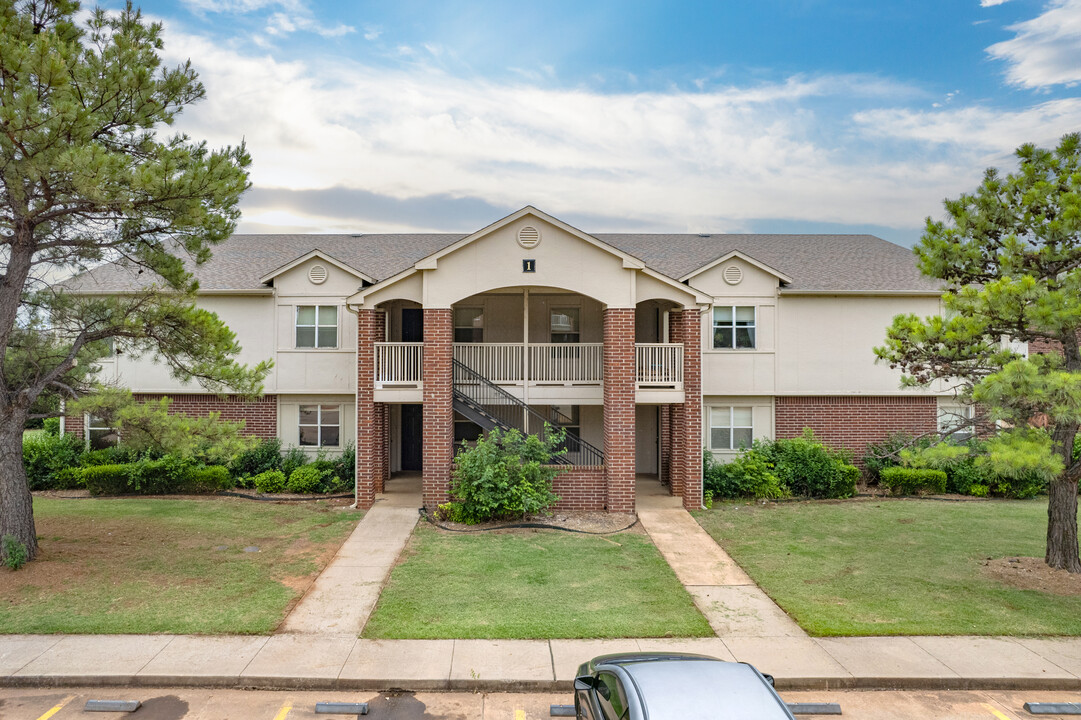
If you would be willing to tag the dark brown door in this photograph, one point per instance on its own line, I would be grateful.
(412, 438)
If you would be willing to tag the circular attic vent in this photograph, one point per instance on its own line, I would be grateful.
(733, 275)
(529, 237)
(317, 274)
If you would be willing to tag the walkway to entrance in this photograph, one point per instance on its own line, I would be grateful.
(345, 593)
(731, 602)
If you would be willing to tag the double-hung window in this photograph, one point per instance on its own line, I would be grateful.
(733, 327)
(99, 434)
(317, 326)
(956, 416)
(320, 425)
(468, 325)
(730, 428)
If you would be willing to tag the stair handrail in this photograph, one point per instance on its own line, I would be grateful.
(462, 372)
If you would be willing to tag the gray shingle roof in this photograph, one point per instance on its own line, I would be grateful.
(814, 262)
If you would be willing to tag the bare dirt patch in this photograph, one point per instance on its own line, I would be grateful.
(1030, 573)
(598, 523)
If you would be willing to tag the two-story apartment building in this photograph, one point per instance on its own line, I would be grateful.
(647, 348)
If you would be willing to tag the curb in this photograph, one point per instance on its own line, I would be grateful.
(509, 686)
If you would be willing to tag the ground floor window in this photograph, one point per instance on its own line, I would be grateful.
(956, 416)
(99, 434)
(730, 428)
(320, 425)
(466, 430)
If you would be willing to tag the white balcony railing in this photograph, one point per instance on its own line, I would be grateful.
(399, 364)
(501, 363)
(567, 363)
(659, 365)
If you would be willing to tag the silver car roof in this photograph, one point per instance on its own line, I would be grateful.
(692, 689)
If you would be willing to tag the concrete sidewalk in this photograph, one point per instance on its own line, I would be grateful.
(344, 662)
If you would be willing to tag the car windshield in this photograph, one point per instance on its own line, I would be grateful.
(692, 689)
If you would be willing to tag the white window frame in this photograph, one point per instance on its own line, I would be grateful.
(316, 327)
(88, 426)
(951, 415)
(713, 328)
(319, 424)
(457, 327)
(576, 310)
(731, 426)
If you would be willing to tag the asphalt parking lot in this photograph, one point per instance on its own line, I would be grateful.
(197, 704)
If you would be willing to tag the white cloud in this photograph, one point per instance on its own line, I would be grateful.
(372, 32)
(1045, 50)
(673, 160)
(991, 3)
(283, 24)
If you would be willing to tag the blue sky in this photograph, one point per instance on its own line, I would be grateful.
(766, 116)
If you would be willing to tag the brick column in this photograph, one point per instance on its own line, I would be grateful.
(370, 437)
(665, 429)
(619, 385)
(687, 425)
(438, 414)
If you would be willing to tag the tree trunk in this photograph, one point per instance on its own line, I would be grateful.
(16, 503)
(1062, 526)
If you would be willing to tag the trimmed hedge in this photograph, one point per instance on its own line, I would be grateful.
(912, 481)
(169, 475)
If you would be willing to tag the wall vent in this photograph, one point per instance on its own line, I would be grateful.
(317, 274)
(529, 237)
(733, 275)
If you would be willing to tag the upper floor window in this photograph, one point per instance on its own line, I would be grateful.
(468, 324)
(733, 327)
(320, 425)
(565, 327)
(731, 428)
(317, 326)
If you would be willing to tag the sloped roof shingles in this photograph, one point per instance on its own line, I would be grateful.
(818, 263)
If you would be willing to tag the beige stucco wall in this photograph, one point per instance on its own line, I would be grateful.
(251, 317)
(563, 260)
(825, 343)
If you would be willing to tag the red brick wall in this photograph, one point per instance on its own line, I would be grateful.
(371, 449)
(687, 418)
(260, 416)
(73, 425)
(852, 422)
(438, 413)
(580, 488)
(619, 391)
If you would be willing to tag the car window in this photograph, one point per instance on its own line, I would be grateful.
(610, 697)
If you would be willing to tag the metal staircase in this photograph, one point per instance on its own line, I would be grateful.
(490, 406)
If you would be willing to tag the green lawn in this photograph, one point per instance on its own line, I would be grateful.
(544, 584)
(895, 567)
(168, 566)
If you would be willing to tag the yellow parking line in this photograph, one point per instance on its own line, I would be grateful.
(519, 715)
(284, 712)
(996, 713)
(56, 708)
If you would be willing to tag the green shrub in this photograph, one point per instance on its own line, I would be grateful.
(345, 467)
(912, 481)
(749, 474)
(979, 490)
(294, 457)
(506, 475)
(850, 477)
(451, 512)
(12, 552)
(271, 481)
(267, 455)
(107, 479)
(887, 453)
(210, 478)
(807, 467)
(47, 457)
(305, 479)
(51, 426)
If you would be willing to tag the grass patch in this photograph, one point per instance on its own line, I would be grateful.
(895, 567)
(155, 566)
(540, 584)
